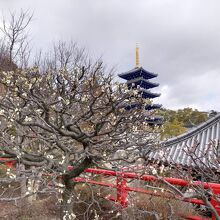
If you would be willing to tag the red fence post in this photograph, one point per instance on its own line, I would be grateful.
(215, 203)
(121, 190)
(10, 164)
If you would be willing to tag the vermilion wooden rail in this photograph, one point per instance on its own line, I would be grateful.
(8, 162)
(122, 189)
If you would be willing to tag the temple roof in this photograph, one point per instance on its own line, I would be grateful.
(137, 72)
(147, 107)
(147, 94)
(144, 83)
(156, 120)
(196, 148)
(153, 106)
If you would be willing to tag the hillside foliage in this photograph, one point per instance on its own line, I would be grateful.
(177, 122)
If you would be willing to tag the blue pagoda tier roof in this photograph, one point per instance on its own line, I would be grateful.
(137, 72)
(147, 94)
(143, 83)
(138, 105)
(158, 120)
(153, 106)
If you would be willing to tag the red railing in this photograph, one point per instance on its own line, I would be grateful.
(8, 162)
(122, 189)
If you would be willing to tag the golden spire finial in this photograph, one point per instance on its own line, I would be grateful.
(137, 55)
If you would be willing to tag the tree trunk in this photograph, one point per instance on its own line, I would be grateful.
(67, 195)
(67, 202)
(33, 185)
(20, 173)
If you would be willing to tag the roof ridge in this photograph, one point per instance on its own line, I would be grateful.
(192, 132)
(148, 91)
(138, 69)
(143, 79)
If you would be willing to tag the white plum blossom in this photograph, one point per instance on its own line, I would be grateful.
(50, 156)
(2, 111)
(69, 216)
(28, 119)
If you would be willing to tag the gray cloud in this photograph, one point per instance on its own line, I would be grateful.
(180, 40)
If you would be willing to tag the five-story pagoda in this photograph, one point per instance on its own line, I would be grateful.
(139, 80)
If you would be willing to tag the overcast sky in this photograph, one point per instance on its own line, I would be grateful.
(179, 40)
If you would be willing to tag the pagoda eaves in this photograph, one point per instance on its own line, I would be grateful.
(153, 106)
(140, 81)
(147, 94)
(147, 107)
(137, 72)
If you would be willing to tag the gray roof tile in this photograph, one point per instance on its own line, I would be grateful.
(198, 143)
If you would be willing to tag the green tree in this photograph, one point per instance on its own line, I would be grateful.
(173, 128)
(177, 122)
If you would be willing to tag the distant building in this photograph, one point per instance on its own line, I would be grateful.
(139, 80)
(198, 148)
